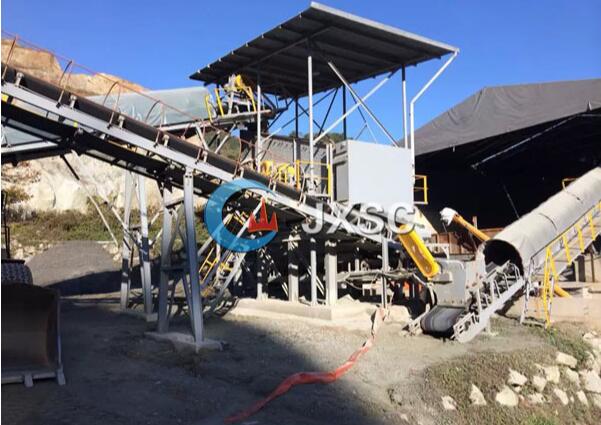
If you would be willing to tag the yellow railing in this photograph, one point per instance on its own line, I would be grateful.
(294, 174)
(209, 106)
(423, 189)
(318, 176)
(565, 182)
(550, 275)
(282, 172)
(239, 86)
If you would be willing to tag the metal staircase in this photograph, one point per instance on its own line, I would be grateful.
(499, 286)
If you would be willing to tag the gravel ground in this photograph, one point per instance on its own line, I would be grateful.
(115, 375)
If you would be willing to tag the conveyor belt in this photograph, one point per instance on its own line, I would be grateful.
(123, 141)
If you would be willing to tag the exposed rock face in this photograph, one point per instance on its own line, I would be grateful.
(54, 187)
(48, 182)
(44, 65)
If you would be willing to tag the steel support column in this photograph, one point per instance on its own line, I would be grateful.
(259, 143)
(331, 266)
(195, 297)
(404, 90)
(144, 249)
(344, 132)
(385, 269)
(313, 264)
(311, 141)
(128, 243)
(293, 278)
(166, 237)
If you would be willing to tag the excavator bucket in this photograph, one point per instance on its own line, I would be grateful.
(31, 346)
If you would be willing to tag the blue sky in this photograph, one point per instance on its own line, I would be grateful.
(159, 43)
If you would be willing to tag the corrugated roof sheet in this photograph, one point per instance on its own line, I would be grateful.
(359, 47)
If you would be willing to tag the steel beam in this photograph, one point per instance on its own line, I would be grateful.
(144, 249)
(127, 247)
(195, 308)
(331, 266)
(167, 235)
(313, 271)
(293, 271)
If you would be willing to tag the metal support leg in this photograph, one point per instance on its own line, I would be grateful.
(385, 268)
(196, 307)
(126, 251)
(313, 261)
(311, 141)
(331, 266)
(144, 251)
(167, 234)
(292, 271)
(261, 275)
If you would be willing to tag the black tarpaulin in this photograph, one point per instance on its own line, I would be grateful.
(494, 111)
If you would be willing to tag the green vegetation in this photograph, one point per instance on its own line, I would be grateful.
(566, 339)
(539, 420)
(52, 227)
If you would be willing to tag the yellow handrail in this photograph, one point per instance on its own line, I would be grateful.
(329, 176)
(423, 188)
(549, 271)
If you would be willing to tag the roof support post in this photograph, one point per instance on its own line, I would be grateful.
(258, 144)
(344, 111)
(311, 141)
(417, 96)
(404, 90)
(296, 116)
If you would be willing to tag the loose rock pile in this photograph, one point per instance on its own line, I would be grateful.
(562, 383)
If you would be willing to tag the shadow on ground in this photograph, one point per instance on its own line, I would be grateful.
(115, 375)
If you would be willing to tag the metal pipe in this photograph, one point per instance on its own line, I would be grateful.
(311, 141)
(404, 90)
(258, 146)
(418, 95)
(313, 262)
(344, 111)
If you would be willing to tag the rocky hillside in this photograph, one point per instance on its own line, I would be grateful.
(47, 184)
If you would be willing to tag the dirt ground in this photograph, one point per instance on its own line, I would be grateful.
(116, 375)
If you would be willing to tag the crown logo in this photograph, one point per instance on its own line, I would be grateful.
(263, 224)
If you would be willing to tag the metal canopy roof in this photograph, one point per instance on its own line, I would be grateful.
(360, 48)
